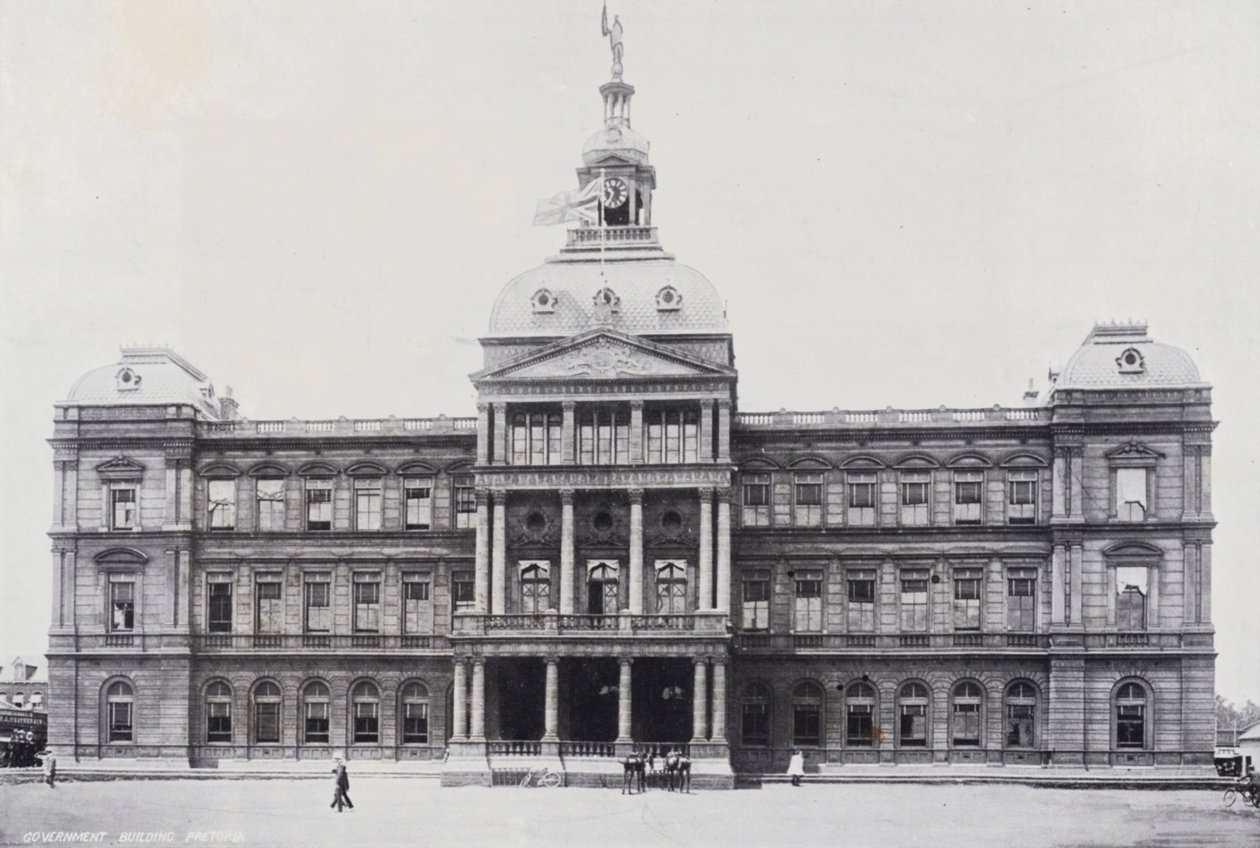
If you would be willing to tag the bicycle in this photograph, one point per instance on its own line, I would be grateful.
(1249, 796)
(541, 777)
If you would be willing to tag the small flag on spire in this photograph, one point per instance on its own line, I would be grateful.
(581, 205)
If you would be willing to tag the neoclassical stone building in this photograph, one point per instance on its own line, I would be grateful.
(610, 555)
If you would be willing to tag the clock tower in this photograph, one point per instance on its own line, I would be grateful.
(621, 155)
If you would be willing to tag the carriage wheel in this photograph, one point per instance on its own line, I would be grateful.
(550, 779)
(1231, 795)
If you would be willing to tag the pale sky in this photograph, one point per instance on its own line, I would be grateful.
(906, 204)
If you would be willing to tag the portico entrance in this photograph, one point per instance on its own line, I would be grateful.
(662, 700)
(591, 687)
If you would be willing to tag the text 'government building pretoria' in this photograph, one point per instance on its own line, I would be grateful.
(611, 557)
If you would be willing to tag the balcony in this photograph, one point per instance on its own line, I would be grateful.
(612, 236)
(556, 624)
(339, 427)
(853, 643)
(864, 419)
(307, 643)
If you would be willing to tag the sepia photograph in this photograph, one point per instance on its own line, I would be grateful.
(748, 422)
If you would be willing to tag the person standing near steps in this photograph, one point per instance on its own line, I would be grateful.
(796, 767)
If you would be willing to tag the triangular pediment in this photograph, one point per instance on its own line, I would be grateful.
(119, 468)
(1134, 450)
(603, 355)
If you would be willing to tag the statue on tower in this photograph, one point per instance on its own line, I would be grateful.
(614, 41)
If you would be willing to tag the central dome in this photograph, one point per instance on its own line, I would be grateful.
(617, 140)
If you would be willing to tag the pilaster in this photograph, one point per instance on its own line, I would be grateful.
(699, 700)
(724, 431)
(568, 580)
(483, 433)
(636, 551)
(551, 704)
(724, 550)
(704, 566)
(498, 560)
(636, 432)
(568, 432)
(719, 701)
(481, 575)
(500, 434)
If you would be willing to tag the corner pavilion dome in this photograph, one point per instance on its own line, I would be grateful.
(145, 376)
(643, 296)
(1120, 356)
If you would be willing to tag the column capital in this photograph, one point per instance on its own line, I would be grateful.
(636, 404)
(478, 662)
(483, 406)
(551, 660)
(483, 495)
(500, 496)
(724, 494)
(566, 497)
(568, 405)
(706, 493)
(724, 403)
(635, 495)
(625, 660)
(700, 660)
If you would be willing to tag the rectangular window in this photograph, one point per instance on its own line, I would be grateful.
(968, 496)
(809, 499)
(861, 500)
(604, 437)
(756, 490)
(535, 438)
(915, 491)
(318, 504)
(366, 726)
(465, 502)
(859, 726)
(219, 721)
(1130, 726)
(1131, 494)
(807, 601)
(861, 611)
(270, 605)
(316, 721)
(463, 592)
(673, 436)
(966, 724)
(367, 503)
(221, 503)
(1131, 594)
(122, 605)
(755, 610)
(219, 603)
(418, 502)
(913, 725)
(417, 609)
(755, 723)
(119, 721)
(967, 586)
(267, 722)
(1021, 599)
(1019, 725)
(367, 603)
(270, 495)
(122, 506)
(318, 604)
(1021, 507)
(415, 723)
(914, 600)
(805, 724)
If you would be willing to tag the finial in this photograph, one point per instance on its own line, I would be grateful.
(614, 41)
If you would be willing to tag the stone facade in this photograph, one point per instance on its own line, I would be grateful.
(610, 556)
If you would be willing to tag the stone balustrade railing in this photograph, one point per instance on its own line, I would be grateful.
(612, 235)
(789, 643)
(473, 624)
(941, 416)
(391, 426)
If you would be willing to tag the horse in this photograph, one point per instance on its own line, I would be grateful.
(632, 767)
(678, 771)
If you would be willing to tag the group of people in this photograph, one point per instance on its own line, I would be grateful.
(22, 751)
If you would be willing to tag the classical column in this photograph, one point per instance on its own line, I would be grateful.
(1058, 481)
(719, 701)
(568, 579)
(478, 731)
(724, 550)
(1076, 480)
(568, 433)
(636, 432)
(58, 591)
(459, 705)
(636, 551)
(699, 700)
(1076, 582)
(500, 434)
(623, 701)
(551, 703)
(498, 558)
(483, 433)
(724, 431)
(481, 575)
(705, 566)
(705, 454)
(1058, 588)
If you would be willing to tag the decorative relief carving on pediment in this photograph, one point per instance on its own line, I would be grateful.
(603, 359)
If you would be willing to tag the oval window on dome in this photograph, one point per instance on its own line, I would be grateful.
(543, 301)
(668, 299)
(608, 299)
(1131, 361)
(127, 380)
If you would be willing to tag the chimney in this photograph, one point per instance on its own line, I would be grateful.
(228, 407)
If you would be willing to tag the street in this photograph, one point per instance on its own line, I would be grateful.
(418, 813)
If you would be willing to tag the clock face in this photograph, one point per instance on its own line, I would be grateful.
(615, 193)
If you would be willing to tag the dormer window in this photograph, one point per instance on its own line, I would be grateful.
(1131, 362)
(543, 302)
(127, 380)
(668, 300)
(608, 299)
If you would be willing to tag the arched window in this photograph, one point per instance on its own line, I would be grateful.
(807, 702)
(366, 709)
(602, 596)
(671, 588)
(965, 720)
(119, 700)
(859, 716)
(267, 701)
(315, 698)
(1021, 715)
(535, 587)
(218, 712)
(912, 716)
(1130, 712)
(415, 713)
(755, 715)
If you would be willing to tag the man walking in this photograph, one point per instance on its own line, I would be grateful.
(50, 769)
(341, 786)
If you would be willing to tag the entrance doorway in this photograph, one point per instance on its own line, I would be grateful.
(521, 688)
(662, 699)
(591, 687)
